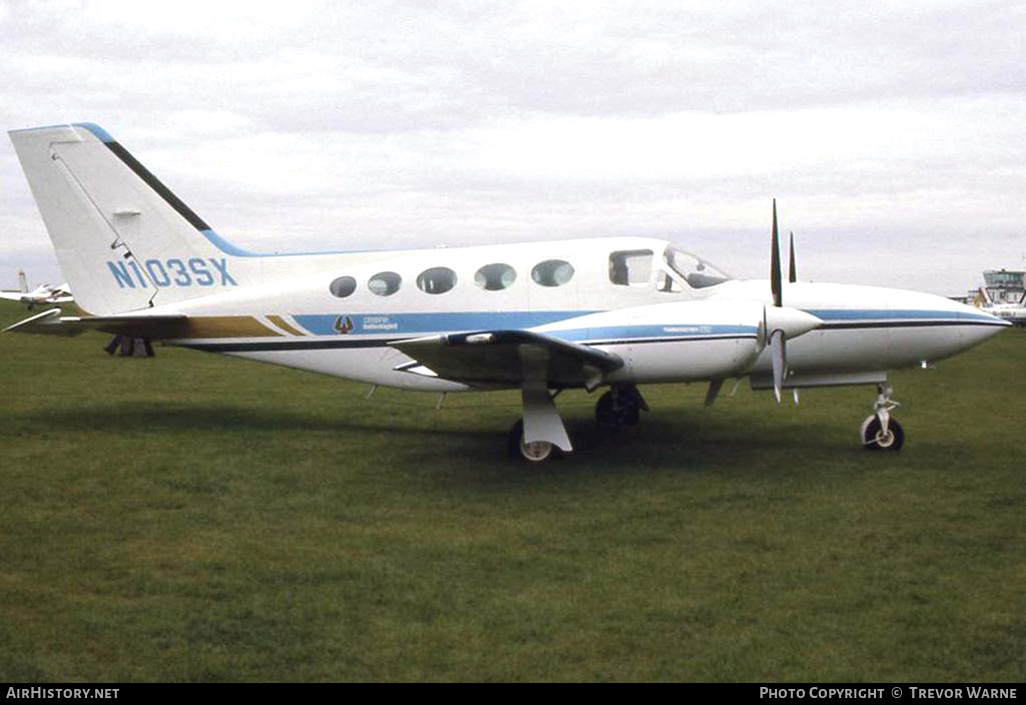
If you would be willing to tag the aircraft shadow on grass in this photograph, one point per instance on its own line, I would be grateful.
(666, 440)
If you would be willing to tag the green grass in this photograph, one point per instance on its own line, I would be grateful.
(197, 518)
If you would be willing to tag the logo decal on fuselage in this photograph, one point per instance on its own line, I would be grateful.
(343, 324)
(174, 272)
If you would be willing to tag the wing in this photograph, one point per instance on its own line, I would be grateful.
(507, 358)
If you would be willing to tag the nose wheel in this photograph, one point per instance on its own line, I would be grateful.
(881, 431)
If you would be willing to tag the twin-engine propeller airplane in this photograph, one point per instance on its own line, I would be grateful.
(539, 317)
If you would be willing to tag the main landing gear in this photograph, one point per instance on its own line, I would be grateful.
(535, 452)
(881, 431)
(620, 406)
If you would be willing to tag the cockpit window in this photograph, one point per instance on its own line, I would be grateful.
(695, 271)
(630, 268)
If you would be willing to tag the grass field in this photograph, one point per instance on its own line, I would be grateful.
(197, 518)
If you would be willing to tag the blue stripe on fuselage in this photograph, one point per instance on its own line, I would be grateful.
(393, 324)
(898, 315)
(629, 333)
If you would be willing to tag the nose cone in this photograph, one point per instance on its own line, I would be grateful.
(978, 325)
(956, 326)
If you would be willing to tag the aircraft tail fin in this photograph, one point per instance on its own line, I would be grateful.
(985, 296)
(124, 241)
(22, 282)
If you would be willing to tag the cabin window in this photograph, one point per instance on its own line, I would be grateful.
(552, 272)
(495, 277)
(630, 268)
(384, 283)
(436, 280)
(342, 287)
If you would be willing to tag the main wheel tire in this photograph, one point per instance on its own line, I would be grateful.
(604, 410)
(611, 415)
(536, 452)
(873, 437)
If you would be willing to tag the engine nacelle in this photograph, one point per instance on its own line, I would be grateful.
(675, 342)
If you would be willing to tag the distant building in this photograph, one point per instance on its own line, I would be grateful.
(1004, 285)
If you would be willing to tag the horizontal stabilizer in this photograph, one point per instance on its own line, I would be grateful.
(494, 358)
(51, 322)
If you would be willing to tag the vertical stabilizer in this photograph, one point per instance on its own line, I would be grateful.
(123, 240)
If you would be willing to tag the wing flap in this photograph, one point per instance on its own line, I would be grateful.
(496, 358)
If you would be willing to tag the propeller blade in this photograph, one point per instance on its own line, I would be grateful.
(792, 276)
(778, 352)
(775, 277)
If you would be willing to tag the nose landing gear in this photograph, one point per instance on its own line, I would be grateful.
(881, 431)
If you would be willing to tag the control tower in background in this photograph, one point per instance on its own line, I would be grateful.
(1004, 285)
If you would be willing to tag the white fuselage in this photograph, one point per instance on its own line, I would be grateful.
(337, 320)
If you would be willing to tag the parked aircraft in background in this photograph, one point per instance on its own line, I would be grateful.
(42, 294)
(1014, 313)
(539, 317)
(45, 294)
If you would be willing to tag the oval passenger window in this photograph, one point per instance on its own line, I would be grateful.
(436, 280)
(552, 272)
(342, 287)
(384, 283)
(495, 277)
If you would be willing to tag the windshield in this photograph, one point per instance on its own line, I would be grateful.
(696, 271)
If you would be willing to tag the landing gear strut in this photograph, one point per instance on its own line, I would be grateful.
(620, 406)
(881, 431)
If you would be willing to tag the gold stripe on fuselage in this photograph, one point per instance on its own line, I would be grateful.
(197, 327)
(284, 325)
(227, 327)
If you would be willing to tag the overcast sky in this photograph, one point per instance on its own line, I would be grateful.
(891, 133)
